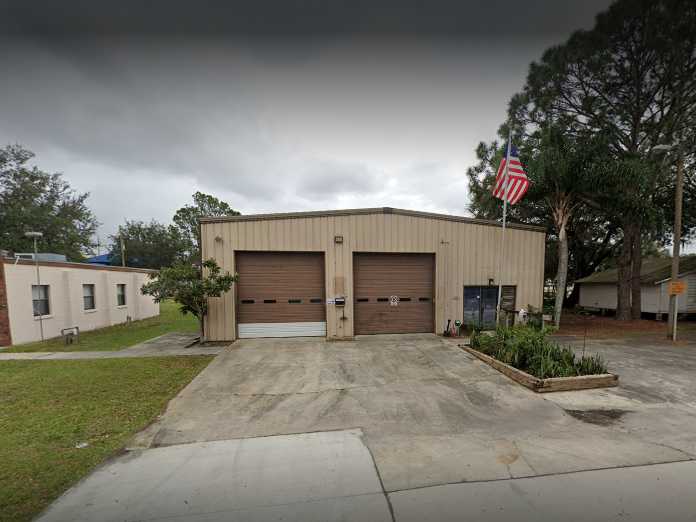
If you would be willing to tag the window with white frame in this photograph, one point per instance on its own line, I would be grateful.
(121, 295)
(88, 297)
(39, 298)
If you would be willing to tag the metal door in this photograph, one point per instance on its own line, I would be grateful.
(472, 306)
(394, 293)
(489, 303)
(480, 303)
(280, 294)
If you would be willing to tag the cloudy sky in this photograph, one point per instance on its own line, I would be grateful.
(271, 106)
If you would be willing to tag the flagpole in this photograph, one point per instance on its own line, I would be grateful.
(502, 235)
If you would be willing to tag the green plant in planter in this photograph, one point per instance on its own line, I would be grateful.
(474, 334)
(528, 349)
(591, 364)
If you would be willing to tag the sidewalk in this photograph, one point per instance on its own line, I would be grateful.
(331, 477)
(639, 494)
(171, 344)
(311, 477)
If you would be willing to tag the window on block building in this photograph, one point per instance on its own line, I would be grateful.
(121, 295)
(88, 297)
(39, 297)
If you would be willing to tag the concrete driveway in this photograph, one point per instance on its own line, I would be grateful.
(416, 412)
(430, 413)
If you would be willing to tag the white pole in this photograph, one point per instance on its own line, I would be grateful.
(502, 235)
(675, 314)
(38, 284)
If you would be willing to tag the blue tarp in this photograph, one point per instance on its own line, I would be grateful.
(104, 259)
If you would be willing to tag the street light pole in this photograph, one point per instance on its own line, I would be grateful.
(678, 199)
(35, 236)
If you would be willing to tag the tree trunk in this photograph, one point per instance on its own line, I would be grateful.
(562, 274)
(201, 327)
(623, 296)
(562, 211)
(636, 264)
(574, 297)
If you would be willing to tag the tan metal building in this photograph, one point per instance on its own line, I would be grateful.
(379, 270)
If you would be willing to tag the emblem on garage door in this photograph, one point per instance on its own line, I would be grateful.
(394, 300)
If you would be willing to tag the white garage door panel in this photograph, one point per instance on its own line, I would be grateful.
(251, 330)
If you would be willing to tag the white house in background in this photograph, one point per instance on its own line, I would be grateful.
(70, 294)
(598, 291)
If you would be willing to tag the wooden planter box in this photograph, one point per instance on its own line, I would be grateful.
(583, 382)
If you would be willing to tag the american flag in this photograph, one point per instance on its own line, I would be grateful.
(516, 177)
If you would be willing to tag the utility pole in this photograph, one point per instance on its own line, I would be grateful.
(678, 198)
(123, 251)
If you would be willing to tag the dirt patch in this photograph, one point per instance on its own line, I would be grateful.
(507, 452)
(598, 417)
(599, 326)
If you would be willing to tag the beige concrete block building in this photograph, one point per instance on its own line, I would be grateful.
(378, 270)
(69, 294)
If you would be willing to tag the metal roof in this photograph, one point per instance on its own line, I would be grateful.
(362, 211)
(653, 270)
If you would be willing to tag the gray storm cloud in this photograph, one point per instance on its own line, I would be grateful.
(333, 108)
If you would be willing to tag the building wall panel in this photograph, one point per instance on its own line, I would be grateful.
(66, 302)
(685, 304)
(654, 298)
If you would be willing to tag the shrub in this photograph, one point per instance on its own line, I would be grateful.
(529, 350)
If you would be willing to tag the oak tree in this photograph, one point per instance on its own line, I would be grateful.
(34, 200)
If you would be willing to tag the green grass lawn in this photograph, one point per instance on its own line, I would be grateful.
(48, 407)
(121, 335)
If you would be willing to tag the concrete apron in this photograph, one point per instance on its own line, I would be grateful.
(431, 413)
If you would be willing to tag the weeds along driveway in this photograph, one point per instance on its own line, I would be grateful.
(431, 413)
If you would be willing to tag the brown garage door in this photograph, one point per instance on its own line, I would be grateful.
(381, 277)
(280, 294)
